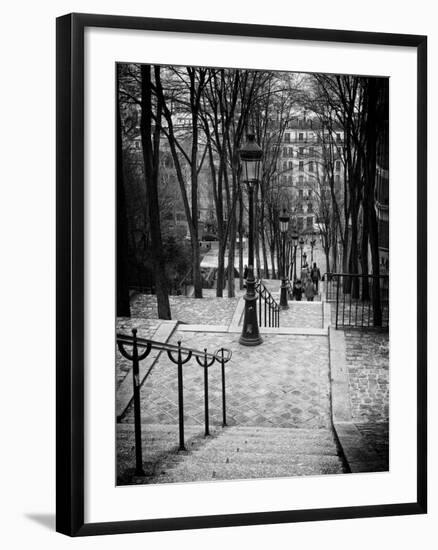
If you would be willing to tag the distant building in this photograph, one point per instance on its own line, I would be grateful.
(302, 169)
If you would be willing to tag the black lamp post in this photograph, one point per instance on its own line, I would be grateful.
(295, 244)
(284, 226)
(301, 243)
(250, 155)
(312, 245)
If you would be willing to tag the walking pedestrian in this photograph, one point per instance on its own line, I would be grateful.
(309, 289)
(297, 291)
(316, 276)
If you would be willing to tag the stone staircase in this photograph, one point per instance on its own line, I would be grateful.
(243, 453)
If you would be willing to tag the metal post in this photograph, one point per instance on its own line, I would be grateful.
(283, 290)
(137, 414)
(224, 404)
(295, 263)
(180, 362)
(180, 401)
(205, 364)
(136, 358)
(250, 331)
(337, 299)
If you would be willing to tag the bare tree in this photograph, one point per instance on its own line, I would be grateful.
(151, 159)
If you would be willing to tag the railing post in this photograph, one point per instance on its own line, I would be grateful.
(206, 417)
(224, 403)
(337, 299)
(205, 364)
(137, 414)
(180, 362)
(136, 358)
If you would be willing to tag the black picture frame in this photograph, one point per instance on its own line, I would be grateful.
(70, 273)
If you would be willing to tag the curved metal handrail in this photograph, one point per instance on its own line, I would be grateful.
(165, 346)
(179, 355)
(271, 313)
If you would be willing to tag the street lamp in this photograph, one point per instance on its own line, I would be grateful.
(312, 245)
(301, 243)
(250, 155)
(295, 244)
(284, 226)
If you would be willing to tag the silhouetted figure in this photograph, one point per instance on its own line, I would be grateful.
(316, 276)
(297, 291)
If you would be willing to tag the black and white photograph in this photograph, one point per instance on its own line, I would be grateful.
(252, 274)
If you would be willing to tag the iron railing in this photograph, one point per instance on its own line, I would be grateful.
(360, 300)
(269, 308)
(140, 349)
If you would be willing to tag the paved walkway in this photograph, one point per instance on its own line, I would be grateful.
(205, 311)
(302, 314)
(282, 383)
(146, 329)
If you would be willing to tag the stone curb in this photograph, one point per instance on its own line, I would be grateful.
(263, 330)
(237, 316)
(359, 456)
(125, 391)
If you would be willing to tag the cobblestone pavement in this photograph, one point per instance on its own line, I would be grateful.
(302, 315)
(206, 311)
(146, 329)
(368, 371)
(282, 383)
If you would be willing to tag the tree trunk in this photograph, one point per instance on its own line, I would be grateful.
(371, 127)
(231, 250)
(272, 252)
(123, 306)
(364, 254)
(220, 278)
(151, 164)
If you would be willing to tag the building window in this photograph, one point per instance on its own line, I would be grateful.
(287, 138)
(309, 221)
(338, 137)
(301, 166)
(338, 166)
(301, 136)
(300, 224)
(311, 151)
(290, 165)
(310, 207)
(338, 179)
(311, 166)
(301, 179)
(289, 179)
(285, 151)
(301, 151)
(300, 193)
(284, 165)
(291, 152)
(309, 193)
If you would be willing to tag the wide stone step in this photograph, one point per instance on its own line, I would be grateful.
(199, 471)
(246, 453)
(271, 447)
